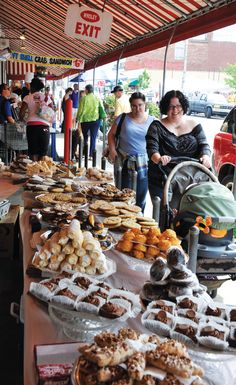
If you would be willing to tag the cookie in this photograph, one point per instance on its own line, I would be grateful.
(133, 209)
(145, 219)
(148, 224)
(112, 222)
(56, 189)
(130, 225)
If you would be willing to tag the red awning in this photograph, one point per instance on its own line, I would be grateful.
(138, 26)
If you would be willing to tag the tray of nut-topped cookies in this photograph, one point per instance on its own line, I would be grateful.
(130, 358)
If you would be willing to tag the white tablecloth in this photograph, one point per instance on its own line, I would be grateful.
(220, 368)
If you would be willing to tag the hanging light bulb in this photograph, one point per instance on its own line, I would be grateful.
(22, 36)
(22, 45)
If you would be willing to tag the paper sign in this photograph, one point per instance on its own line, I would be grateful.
(88, 24)
(47, 61)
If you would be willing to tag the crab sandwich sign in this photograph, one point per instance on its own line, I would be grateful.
(63, 62)
(88, 24)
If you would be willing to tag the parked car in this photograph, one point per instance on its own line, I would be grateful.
(224, 154)
(209, 104)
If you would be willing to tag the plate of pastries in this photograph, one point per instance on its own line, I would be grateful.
(104, 191)
(45, 184)
(78, 293)
(147, 243)
(179, 307)
(53, 198)
(130, 358)
(57, 216)
(75, 250)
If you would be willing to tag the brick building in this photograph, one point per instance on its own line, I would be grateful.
(205, 61)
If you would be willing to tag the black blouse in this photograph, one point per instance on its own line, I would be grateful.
(159, 139)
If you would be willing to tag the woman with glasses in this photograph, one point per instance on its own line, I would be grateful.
(129, 151)
(173, 136)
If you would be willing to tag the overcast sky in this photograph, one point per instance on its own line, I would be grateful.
(225, 34)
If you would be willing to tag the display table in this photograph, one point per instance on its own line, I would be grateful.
(39, 329)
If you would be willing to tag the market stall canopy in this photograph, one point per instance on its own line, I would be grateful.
(134, 83)
(138, 26)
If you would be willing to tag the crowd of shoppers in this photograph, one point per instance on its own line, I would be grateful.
(138, 143)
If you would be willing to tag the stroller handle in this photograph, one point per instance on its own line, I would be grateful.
(188, 163)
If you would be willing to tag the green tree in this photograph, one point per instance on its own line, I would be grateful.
(144, 80)
(153, 109)
(230, 70)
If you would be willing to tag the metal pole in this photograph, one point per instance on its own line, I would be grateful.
(81, 145)
(193, 248)
(117, 67)
(53, 141)
(165, 60)
(185, 63)
(86, 155)
(118, 177)
(104, 127)
(68, 127)
(156, 208)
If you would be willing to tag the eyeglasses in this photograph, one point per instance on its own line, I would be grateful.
(177, 107)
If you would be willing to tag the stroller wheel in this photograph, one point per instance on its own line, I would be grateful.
(212, 293)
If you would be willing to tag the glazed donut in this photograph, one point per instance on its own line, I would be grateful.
(138, 254)
(140, 238)
(125, 246)
(154, 232)
(169, 234)
(129, 235)
(140, 247)
(152, 250)
(164, 244)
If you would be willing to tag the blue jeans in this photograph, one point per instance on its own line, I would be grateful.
(142, 184)
(93, 128)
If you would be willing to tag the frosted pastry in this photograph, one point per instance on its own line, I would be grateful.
(90, 270)
(175, 257)
(68, 249)
(74, 229)
(85, 260)
(81, 252)
(159, 270)
(72, 259)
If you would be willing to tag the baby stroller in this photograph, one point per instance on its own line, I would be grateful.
(200, 202)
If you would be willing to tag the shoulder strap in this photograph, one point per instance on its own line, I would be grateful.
(118, 130)
(2, 107)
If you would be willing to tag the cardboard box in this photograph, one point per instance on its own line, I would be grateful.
(10, 233)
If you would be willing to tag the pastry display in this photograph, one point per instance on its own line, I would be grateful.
(57, 197)
(94, 173)
(149, 244)
(19, 165)
(81, 294)
(42, 167)
(42, 184)
(187, 321)
(70, 248)
(170, 272)
(130, 361)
